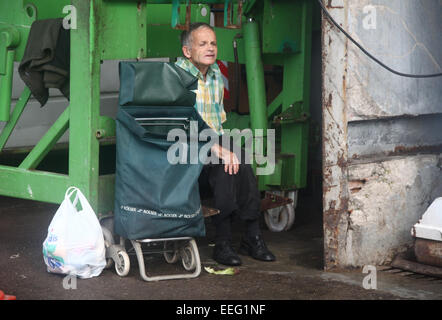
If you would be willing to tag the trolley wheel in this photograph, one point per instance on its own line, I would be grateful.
(188, 257)
(281, 218)
(170, 254)
(122, 264)
(108, 242)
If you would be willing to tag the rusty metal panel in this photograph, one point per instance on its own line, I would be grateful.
(410, 265)
(428, 252)
(334, 128)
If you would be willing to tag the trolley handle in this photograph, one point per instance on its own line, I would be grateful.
(185, 126)
(163, 118)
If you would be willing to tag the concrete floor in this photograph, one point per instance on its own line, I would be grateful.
(297, 273)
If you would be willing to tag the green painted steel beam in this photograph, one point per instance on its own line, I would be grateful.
(34, 185)
(296, 88)
(281, 26)
(48, 9)
(106, 187)
(274, 106)
(122, 30)
(9, 40)
(225, 39)
(6, 87)
(85, 100)
(163, 41)
(19, 16)
(18, 109)
(47, 141)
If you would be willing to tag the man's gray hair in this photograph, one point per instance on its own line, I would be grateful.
(186, 36)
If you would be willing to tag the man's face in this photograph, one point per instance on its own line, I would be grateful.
(203, 50)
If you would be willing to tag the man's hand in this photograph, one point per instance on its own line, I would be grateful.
(231, 162)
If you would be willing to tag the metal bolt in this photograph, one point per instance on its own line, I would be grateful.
(99, 134)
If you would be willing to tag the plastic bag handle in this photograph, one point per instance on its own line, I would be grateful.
(70, 191)
(79, 197)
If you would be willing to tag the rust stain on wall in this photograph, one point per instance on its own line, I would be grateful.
(400, 151)
(334, 147)
(333, 220)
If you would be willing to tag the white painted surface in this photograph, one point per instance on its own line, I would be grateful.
(430, 225)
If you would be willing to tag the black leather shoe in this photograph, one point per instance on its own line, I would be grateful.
(256, 248)
(224, 254)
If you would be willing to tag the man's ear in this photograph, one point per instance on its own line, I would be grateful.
(186, 52)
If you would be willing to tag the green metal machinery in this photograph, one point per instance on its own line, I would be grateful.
(267, 32)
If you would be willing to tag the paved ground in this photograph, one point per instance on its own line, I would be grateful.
(297, 273)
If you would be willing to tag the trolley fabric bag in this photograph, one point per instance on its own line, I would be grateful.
(151, 83)
(74, 244)
(156, 198)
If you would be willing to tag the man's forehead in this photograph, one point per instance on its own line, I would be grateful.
(201, 32)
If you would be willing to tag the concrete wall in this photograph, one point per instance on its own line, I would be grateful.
(382, 133)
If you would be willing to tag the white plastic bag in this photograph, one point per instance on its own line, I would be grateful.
(74, 244)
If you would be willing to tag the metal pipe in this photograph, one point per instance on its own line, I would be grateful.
(6, 87)
(255, 76)
(256, 89)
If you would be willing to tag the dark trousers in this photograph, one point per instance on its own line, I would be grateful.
(234, 195)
